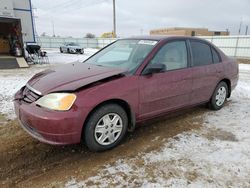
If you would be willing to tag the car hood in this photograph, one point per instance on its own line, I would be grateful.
(70, 77)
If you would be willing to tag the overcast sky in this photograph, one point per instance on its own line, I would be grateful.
(78, 17)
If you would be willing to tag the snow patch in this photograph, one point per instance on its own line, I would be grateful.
(9, 86)
(55, 57)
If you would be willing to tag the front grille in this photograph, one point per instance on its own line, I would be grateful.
(78, 50)
(30, 96)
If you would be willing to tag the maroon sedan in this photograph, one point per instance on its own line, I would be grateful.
(129, 81)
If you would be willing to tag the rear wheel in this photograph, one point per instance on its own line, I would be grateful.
(219, 96)
(106, 127)
(61, 50)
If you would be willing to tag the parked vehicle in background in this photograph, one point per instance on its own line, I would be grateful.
(129, 81)
(72, 48)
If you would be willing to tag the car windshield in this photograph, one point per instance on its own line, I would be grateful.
(72, 44)
(127, 54)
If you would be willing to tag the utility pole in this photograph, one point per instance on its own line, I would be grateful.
(246, 30)
(114, 20)
(53, 26)
(240, 27)
(35, 17)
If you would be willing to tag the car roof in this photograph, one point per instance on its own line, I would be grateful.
(71, 43)
(162, 37)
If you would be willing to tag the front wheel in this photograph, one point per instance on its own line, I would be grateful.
(219, 96)
(106, 127)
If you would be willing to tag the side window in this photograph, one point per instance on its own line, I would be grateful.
(173, 55)
(216, 56)
(201, 53)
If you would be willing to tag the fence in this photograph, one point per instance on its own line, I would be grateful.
(56, 42)
(235, 46)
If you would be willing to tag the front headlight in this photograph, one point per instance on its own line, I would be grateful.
(57, 101)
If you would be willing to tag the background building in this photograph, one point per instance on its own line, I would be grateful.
(188, 32)
(16, 30)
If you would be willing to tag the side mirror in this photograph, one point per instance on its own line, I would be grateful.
(154, 68)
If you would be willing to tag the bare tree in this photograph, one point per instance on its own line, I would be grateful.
(89, 35)
(43, 34)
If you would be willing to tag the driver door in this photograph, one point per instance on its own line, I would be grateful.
(170, 89)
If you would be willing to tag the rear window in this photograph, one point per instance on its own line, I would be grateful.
(201, 53)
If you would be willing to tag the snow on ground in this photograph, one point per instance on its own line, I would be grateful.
(12, 80)
(218, 155)
(9, 85)
(56, 57)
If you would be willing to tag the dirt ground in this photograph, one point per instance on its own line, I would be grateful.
(26, 162)
(243, 61)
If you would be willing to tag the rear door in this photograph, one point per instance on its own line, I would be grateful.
(168, 90)
(205, 72)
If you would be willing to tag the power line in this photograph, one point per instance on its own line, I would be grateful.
(62, 5)
(80, 5)
(77, 5)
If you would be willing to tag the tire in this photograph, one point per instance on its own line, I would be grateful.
(98, 134)
(68, 51)
(61, 50)
(219, 96)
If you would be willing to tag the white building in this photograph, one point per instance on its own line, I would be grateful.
(16, 29)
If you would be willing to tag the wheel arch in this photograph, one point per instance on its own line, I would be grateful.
(228, 82)
(120, 102)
